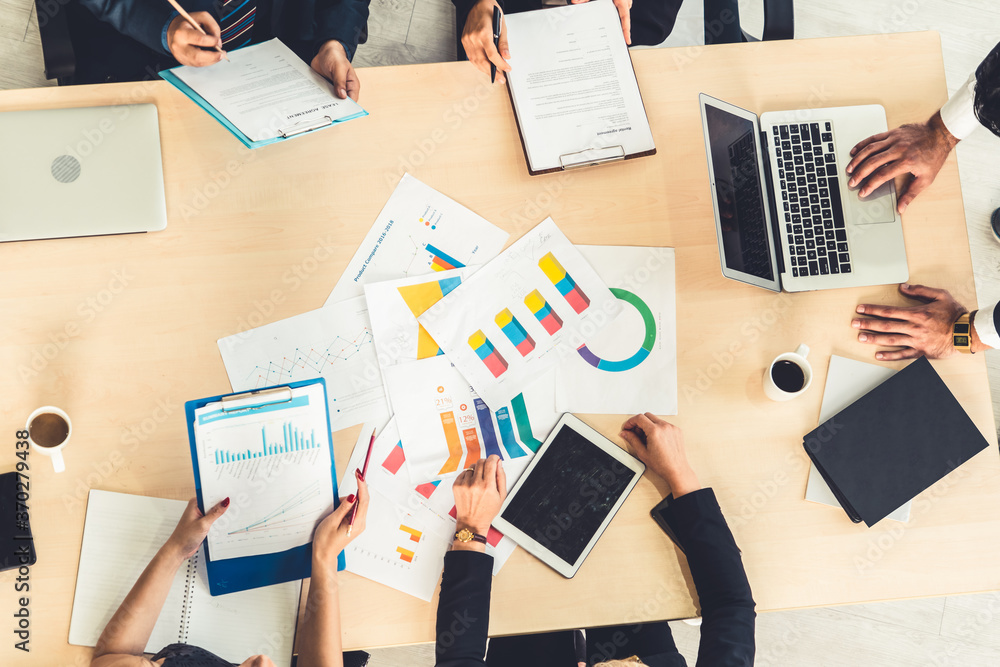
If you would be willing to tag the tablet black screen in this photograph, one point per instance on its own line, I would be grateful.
(569, 493)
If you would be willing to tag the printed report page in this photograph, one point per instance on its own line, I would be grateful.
(573, 85)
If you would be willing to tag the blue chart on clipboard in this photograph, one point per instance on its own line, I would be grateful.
(273, 460)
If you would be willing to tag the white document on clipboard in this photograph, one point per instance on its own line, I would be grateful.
(573, 88)
(267, 92)
(269, 452)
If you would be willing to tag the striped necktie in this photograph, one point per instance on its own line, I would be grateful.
(237, 23)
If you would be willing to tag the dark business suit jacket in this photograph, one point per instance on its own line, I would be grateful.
(727, 606)
(126, 40)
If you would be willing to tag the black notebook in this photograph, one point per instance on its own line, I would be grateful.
(893, 443)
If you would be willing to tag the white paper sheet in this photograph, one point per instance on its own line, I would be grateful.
(418, 231)
(274, 463)
(630, 366)
(543, 293)
(846, 381)
(265, 88)
(573, 85)
(446, 427)
(393, 307)
(333, 342)
(433, 501)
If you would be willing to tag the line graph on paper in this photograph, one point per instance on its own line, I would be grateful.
(289, 515)
(304, 363)
(334, 343)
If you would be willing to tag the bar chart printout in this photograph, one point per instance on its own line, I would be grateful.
(275, 459)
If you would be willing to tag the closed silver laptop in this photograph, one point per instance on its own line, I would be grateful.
(785, 216)
(80, 172)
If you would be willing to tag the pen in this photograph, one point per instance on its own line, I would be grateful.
(194, 24)
(496, 41)
(364, 471)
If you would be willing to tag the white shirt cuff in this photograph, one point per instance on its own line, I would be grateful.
(959, 114)
(985, 327)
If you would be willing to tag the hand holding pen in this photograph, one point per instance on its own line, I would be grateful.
(484, 39)
(190, 43)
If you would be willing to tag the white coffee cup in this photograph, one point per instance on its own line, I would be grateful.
(53, 451)
(798, 357)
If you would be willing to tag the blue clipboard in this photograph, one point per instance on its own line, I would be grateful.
(239, 574)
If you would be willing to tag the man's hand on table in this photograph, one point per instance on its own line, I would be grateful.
(332, 63)
(919, 149)
(660, 446)
(918, 330)
(479, 494)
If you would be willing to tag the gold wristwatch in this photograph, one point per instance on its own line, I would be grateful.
(465, 535)
(961, 336)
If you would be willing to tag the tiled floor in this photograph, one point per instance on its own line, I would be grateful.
(957, 631)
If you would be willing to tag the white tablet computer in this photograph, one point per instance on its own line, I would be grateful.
(568, 495)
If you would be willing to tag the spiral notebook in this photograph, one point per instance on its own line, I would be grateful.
(122, 534)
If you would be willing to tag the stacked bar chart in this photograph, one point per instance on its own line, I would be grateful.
(405, 554)
(414, 534)
(543, 312)
(293, 440)
(555, 272)
(442, 261)
(514, 332)
(487, 353)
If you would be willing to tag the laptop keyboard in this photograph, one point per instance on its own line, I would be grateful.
(810, 191)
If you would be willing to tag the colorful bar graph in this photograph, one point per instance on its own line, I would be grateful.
(514, 332)
(487, 353)
(405, 554)
(471, 446)
(523, 423)
(442, 261)
(555, 272)
(427, 489)
(412, 532)
(543, 312)
(293, 441)
(486, 427)
(514, 450)
(493, 537)
(454, 446)
(395, 460)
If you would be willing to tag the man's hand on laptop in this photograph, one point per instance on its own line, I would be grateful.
(919, 149)
(918, 330)
(190, 47)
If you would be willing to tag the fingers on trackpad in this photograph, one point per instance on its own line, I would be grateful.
(876, 208)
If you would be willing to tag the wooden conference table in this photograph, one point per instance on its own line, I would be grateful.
(120, 331)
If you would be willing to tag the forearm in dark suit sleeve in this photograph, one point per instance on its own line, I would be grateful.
(142, 20)
(987, 104)
(727, 606)
(463, 615)
(342, 20)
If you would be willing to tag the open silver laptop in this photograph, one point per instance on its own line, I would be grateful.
(80, 172)
(784, 214)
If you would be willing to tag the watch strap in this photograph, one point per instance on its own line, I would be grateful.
(961, 336)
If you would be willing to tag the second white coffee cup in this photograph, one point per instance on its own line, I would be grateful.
(789, 375)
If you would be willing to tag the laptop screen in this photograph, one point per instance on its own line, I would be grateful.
(743, 234)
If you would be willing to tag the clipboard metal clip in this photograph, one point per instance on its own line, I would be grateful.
(306, 126)
(254, 400)
(590, 157)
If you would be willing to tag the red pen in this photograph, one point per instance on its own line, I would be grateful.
(364, 471)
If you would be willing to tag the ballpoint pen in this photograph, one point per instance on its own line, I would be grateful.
(496, 41)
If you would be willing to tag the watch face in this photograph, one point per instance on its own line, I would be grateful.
(464, 535)
(960, 341)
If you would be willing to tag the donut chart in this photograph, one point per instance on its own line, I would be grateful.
(647, 344)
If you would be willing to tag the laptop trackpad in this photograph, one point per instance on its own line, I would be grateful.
(876, 208)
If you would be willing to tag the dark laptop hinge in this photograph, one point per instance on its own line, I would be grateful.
(775, 222)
